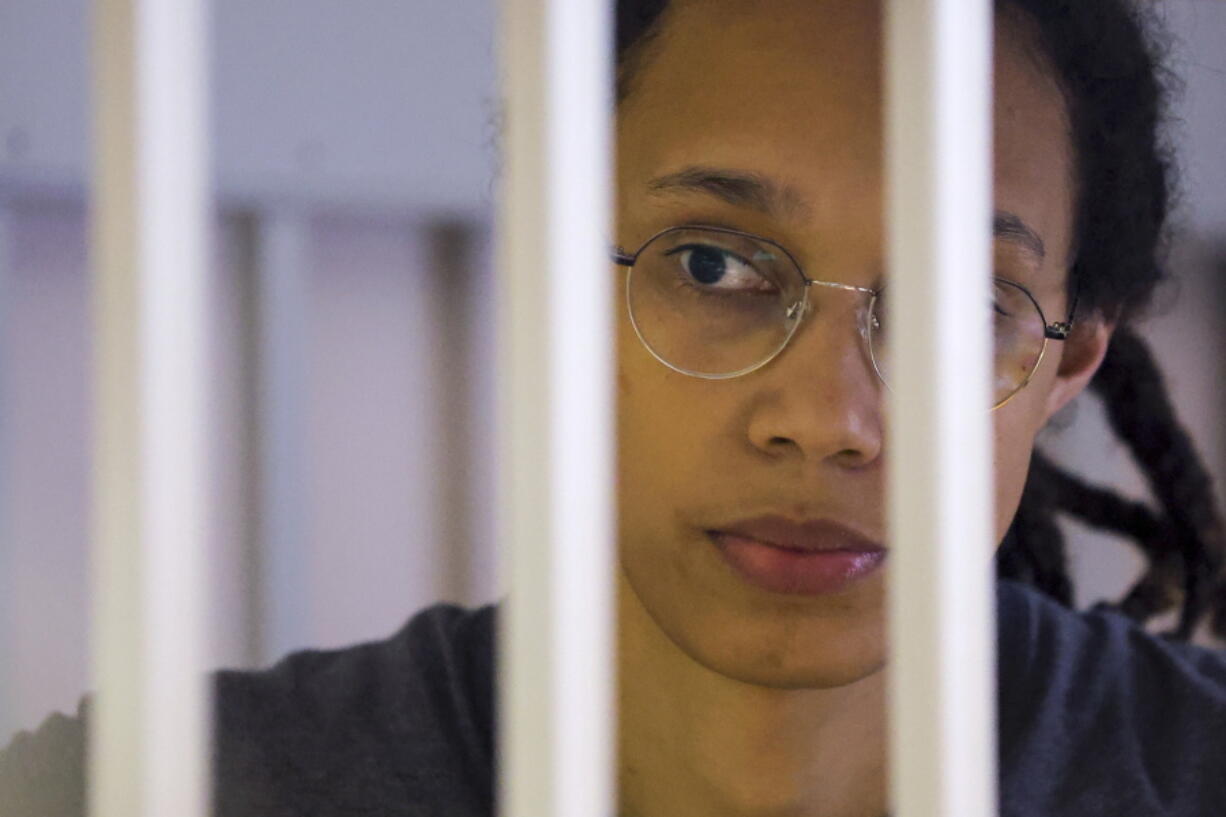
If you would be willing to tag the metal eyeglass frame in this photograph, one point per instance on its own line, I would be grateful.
(1051, 331)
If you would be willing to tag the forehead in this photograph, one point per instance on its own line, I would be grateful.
(792, 89)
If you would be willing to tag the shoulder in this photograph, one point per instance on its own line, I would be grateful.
(442, 657)
(42, 773)
(1097, 716)
(401, 726)
(374, 728)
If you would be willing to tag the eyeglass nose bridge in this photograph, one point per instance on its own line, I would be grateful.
(802, 307)
(798, 310)
(809, 282)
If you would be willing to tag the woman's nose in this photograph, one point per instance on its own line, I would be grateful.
(820, 399)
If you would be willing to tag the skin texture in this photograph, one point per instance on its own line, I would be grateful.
(735, 700)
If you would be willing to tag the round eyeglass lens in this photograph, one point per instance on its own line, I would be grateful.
(1019, 338)
(713, 303)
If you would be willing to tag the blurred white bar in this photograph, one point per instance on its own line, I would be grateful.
(283, 595)
(942, 664)
(148, 739)
(556, 446)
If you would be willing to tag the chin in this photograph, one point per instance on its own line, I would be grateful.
(778, 649)
(802, 677)
(829, 669)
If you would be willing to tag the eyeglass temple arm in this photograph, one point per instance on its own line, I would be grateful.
(1061, 331)
(621, 257)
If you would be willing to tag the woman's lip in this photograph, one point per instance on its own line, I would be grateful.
(812, 571)
(808, 535)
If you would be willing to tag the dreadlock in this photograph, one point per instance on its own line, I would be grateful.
(1183, 539)
(1114, 90)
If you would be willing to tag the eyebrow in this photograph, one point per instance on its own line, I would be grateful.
(740, 188)
(1009, 227)
(745, 188)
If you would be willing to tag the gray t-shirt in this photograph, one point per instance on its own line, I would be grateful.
(1096, 718)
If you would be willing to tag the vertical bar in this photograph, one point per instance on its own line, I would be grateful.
(453, 289)
(8, 611)
(149, 725)
(237, 335)
(284, 611)
(556, 391)
(942, 661)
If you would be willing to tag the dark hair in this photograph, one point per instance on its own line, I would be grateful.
(1106, 62)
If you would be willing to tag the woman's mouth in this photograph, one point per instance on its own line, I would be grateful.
(797, 558)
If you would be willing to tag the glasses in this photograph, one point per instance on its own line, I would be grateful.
(718, 303)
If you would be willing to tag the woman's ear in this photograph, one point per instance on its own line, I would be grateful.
(1083, 353)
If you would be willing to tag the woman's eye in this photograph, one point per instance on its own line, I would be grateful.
(719, 269)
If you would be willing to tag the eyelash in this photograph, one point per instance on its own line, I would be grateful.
(687, 283)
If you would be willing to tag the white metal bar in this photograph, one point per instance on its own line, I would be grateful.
(943, 756)
(149, 724)
(283, 584)
(556, 452)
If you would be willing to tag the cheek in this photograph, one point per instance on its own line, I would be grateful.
(662, 424)
(1014, 431)
(659, 410)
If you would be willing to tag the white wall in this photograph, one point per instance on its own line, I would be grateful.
(386, 102)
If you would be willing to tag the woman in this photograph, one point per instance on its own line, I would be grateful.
(752, 447)
(767, 119)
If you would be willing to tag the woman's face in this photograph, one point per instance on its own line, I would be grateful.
(790, 93)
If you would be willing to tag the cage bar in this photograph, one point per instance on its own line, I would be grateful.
(942, 665)
(149, 734)
(282, 607)
(556, 427)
